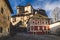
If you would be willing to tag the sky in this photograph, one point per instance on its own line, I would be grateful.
(47, 5)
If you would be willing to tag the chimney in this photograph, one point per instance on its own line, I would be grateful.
(18, 9)
(35, 12)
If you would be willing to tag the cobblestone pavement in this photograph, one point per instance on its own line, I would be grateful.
(22, 36)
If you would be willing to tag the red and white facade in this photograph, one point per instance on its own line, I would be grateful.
(38, 25)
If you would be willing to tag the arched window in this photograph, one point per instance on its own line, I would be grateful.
(0, 29)
(33, 21)
(2, 10)
(14, 20)
(20, 23)
(38, 21)
(40, 27)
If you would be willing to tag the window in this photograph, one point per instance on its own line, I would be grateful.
(46, 22)
(8, 30)
(33, 21)
(2, 10)
(44, 27)
(38, 21)
(42, 22)
(0, 29)
(35, 27)
(14, 19)
(8, 17)
(20, 23)
(40, 27)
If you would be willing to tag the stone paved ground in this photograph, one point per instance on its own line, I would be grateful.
(22, 36)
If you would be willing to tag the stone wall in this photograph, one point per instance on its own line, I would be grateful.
(4, 18)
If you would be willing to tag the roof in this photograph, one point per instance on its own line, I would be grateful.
(8, 4)
(41, 11)
(39, 18)
(20, 15)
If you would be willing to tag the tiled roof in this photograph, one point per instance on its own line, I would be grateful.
(42, 12)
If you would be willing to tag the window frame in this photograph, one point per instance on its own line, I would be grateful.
(2, 10)
(1, 29)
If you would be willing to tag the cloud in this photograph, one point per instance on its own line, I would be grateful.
(51, 6)
(48, 5)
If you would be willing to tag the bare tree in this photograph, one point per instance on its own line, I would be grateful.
(56, 14)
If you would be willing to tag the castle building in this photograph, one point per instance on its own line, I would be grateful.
(23, 14)
(5, 15)
(28, 17)
(39, 23)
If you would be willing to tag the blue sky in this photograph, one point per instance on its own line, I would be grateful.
(47, 5)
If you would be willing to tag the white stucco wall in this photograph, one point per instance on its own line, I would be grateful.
(54, 27)
(28, 8)
(18, 19)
